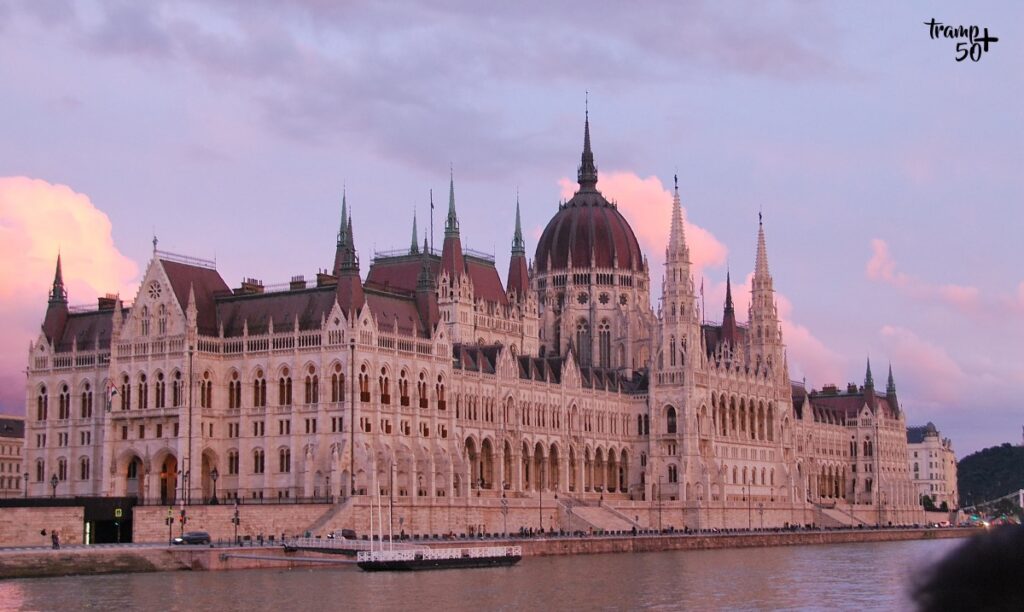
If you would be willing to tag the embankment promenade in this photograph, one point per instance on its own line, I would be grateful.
(41, 562)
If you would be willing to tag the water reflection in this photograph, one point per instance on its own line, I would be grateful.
(844, 576)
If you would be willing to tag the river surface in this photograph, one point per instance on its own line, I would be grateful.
(868, 576)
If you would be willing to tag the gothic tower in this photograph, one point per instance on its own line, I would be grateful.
(764, 333)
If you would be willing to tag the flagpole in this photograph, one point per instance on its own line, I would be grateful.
(431, 221)
(703, 310)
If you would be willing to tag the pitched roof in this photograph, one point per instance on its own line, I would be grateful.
(258, 310)
(206, 283)
(90, 329)
(12, 428)
(393, 310)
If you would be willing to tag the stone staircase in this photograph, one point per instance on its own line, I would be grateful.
(599, 518)
(333, 519)
(835, 517)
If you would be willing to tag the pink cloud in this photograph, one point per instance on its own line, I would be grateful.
(36, 220)
(882, 268)
(647, 205)
(925, 368)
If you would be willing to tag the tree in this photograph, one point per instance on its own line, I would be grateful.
(929, 505)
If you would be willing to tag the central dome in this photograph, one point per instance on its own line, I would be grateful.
(588, 231)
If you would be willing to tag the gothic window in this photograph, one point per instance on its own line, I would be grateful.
(604, 298)
(312, 387)
(143, 392)
(670, 420)
(232, 462)
(421, 389)
(176, 390)
(673, 476)
(234, 391)
(64, 404)
(672, 351)
(583, 298)
(257, 461)
(126, 393)
(403, 389)
(337, 384)
(41, 404)
(259, 390)
(623, 299)
(206, 391)
(162, 320)
(441, 404)
(583, 344)
(284, 389)
(83, 468)
(284, 460)
(385, 386)
(62, 469)
(86, 404)
(364, 384)
(40, 470)
(161, 394)
(604, 342)
(144, 321)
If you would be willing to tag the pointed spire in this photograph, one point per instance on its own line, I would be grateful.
(58, 295)
(677, 234)
(414, 248)
(518, 245)
(349, 259)
(761, 262)
(344, 215)
(451, 225)
(728, 293)
(587, 172)
(869, 381)
(890, 387)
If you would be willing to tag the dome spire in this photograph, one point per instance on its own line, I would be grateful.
(518, 244)
(587, 173)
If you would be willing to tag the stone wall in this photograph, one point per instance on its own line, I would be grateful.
(23, 526)
(255, 519)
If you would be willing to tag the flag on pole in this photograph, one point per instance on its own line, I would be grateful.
(111, 392)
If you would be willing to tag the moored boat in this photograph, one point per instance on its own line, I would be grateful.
(438, 558)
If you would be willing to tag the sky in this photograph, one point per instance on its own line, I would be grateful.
(888, 174)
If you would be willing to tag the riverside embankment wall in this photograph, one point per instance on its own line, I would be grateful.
(42, 562)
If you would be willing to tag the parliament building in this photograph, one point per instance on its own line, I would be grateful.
(559, 393)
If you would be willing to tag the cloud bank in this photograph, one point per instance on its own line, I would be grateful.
(38, 219)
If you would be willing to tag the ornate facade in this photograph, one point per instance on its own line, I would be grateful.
(433, 381)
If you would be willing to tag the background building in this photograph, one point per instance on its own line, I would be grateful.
(933, 466)
(12, 442)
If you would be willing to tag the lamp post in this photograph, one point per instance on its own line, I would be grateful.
(760, 510)
(236, 520)
(53, 483)
(25, 475)
(504, 513)
(188, 457)
(351, 411)
(659, 503)
(214, 475)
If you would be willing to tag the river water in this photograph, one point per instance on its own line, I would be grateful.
(869, 576)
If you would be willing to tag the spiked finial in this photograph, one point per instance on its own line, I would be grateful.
(587, 173)
(414, 248)
(728, 292)
(869, 381)
(451, 226)
(518, 244)
(58, 294)
(890, 387)
(344, 215)
(761, 261)
(677, 234)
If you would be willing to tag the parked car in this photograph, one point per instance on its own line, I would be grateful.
(193, 537)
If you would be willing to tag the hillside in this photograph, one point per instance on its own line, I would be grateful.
(990, 473)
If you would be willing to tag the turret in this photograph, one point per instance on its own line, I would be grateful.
(414, 248)
(680, 312)
(349, 291)
(518, 276)
(869, 387)
(729, 331)
(56, 308)
(426, 293)
(451, 251)
(765, 332)
(342, 237)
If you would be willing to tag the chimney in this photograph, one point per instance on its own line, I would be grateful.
(250, 286)
(298, 282)
(107, 302)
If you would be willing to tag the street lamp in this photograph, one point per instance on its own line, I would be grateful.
(235, 519)
(760, 510)
(53, 483)
(214, 475)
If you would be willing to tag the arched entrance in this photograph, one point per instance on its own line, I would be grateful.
(134, 477)
(169, 480)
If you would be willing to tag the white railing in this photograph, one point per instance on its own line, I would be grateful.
(439, 554)
(345, 544)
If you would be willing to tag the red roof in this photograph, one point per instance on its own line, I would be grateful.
(206, 283)
(588, 224)
(391, 310)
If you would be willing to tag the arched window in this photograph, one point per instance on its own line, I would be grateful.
(604, 343)
(40, 470)
(143, 392)
(161, 393)
(403, 389)
(672, 348)
(144, 321)
(162, 320)
(284, 389)
(364, 384)
(176, 390)
(670, 418)
(126, 393)
(284, 460)
(257, 461)
(441, 404)
(206, 391)
(64, 404)
(234, 392)
(86, 404)
(232, 462)
(583, 344)
(337, 384)
(259, 390)
(421, 389)
(385, 386)
(42, 402)
(83, 468)
(312, 387)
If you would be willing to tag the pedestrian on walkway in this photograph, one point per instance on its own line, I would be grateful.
(55, 539)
